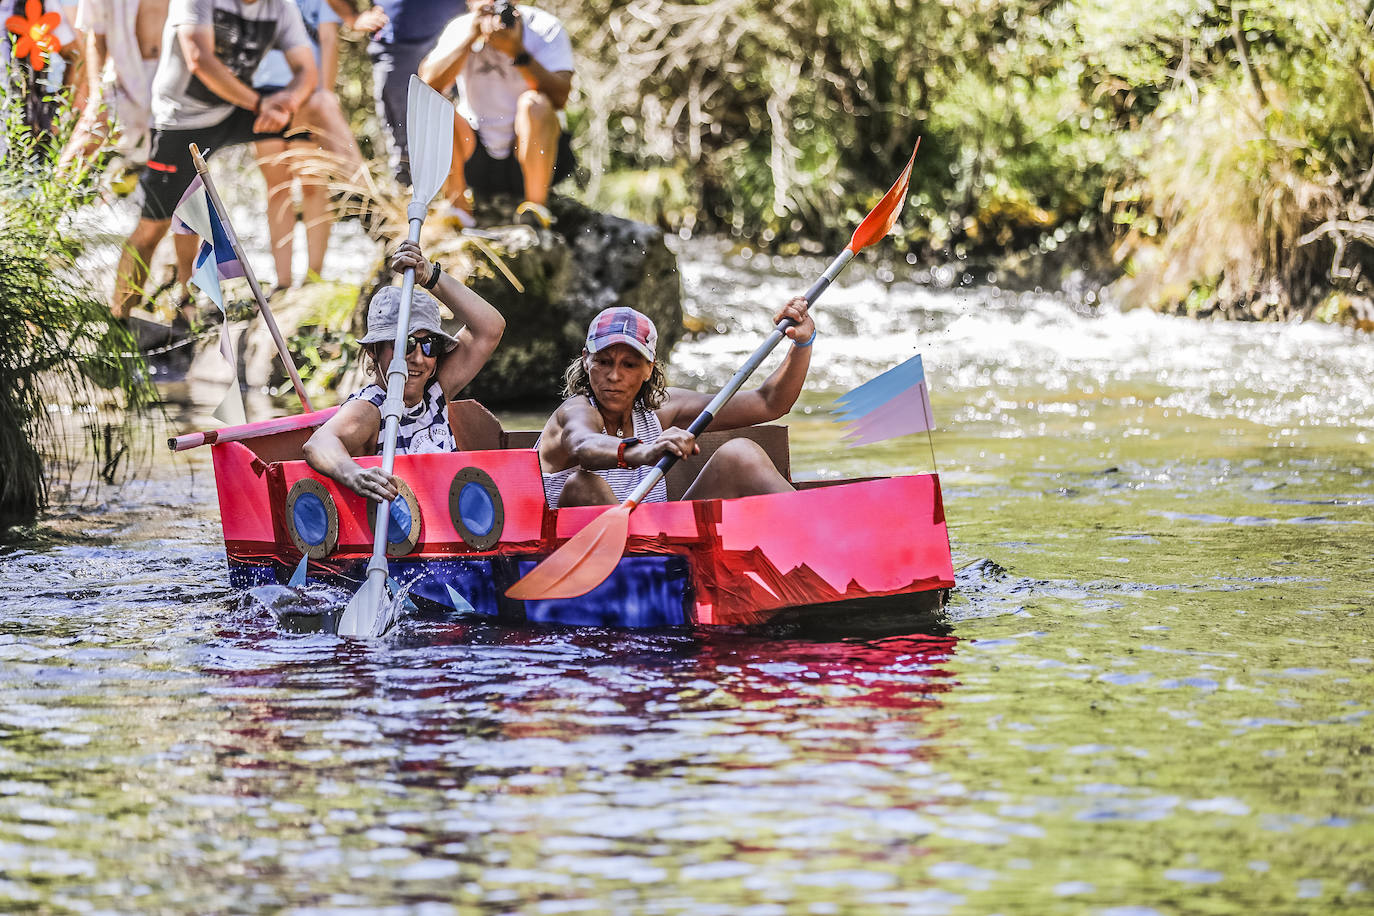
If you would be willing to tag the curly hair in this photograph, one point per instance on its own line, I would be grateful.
(651, 394)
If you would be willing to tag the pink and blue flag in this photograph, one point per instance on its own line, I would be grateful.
(896, 403)
(215, 260)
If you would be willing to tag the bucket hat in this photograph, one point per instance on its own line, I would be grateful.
(385, 308)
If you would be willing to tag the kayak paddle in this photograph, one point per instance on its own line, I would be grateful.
(429, 129)
(589, 556)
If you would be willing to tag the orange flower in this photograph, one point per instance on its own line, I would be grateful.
(35, 33)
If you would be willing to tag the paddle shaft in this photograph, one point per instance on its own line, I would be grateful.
(737, 380)
(392, 406)
(204, 171)
(251, 430)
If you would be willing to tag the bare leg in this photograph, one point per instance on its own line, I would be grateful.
(536, 144)
(89, 135)
(319, 220)
(740, 467)
(584, 488)
(132, 272)
(324, 118)
(464, 145)
(281, 211)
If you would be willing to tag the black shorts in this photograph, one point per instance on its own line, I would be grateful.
(170, 169)
(503, 176)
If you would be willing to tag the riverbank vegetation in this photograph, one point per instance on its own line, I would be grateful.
(60, 353)
(1215, 155)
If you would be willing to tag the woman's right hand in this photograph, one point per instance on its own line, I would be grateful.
(672, 441)
(372, 483)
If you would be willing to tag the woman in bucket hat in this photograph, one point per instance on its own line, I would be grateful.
(438, 365)
(620, 417)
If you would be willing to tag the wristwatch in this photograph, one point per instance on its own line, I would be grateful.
(620, 450)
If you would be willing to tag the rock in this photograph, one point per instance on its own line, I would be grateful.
(586, 262)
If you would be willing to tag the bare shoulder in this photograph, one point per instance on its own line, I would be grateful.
(681, 406)
(356, 425)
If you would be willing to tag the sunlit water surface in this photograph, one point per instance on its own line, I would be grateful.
(1153, 696)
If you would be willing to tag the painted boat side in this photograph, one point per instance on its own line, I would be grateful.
(711, 562)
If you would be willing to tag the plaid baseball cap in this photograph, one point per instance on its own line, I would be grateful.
(623, 325)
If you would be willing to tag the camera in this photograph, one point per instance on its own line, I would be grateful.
(505, 11)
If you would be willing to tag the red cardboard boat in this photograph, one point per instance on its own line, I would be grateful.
(470, 523)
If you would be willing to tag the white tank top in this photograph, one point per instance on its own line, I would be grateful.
(623, 481)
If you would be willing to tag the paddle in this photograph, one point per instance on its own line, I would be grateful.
(589, 556)
(429, 129)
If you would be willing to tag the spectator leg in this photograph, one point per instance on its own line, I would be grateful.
(536, 144)
(281, 210)
(132, 273)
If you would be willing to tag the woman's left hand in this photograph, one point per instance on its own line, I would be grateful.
(409, 255)
(797, 309)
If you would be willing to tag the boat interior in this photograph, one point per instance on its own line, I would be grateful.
(478, 429)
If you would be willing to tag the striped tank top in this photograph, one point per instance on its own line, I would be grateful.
(424, 428)
(623, 481)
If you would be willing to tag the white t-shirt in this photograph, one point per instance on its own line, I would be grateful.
(244, 31)
(489, 85)
(125, 69)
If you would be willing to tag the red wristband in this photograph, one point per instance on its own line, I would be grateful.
(620, 451)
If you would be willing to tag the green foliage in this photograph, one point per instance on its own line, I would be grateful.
(1234, 135)
(58, 346)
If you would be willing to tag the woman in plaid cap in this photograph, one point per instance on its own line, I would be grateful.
(620, 418)
(438, 365)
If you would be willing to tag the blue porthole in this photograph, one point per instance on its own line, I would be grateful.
(403, 524)
(312, 519)
(476, 509)
(475, 505)
(398, 529)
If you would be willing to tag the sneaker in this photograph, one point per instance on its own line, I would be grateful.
(455, 214)
(535, 215)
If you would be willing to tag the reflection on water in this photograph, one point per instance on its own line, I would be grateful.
(1151, 695)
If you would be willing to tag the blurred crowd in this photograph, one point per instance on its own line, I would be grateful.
(150, 78)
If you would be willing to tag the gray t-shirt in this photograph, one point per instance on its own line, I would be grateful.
(244, 31)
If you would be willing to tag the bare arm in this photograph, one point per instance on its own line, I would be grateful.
(483, 324)
(351, 431)
(442, 65)
(96, 52)
(573, 437)
(329, 55)
(557, 85)
(369, 20)
(771, 400)
(198, 48)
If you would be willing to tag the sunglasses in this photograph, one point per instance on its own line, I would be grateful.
(428, 345)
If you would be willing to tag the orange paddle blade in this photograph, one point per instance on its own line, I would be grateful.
(884, 216)
(582, 563)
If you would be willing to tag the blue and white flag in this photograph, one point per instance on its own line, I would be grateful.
(215, 260)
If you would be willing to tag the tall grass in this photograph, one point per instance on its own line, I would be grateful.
(59, 351)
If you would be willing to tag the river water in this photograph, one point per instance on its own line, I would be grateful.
(1152, 697)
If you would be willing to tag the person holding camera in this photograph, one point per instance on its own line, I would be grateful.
(513, 68)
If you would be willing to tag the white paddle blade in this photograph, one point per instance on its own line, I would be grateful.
(429, 128)
(360, 617)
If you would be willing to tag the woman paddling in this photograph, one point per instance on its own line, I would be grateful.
(437, 367)
(620, 418)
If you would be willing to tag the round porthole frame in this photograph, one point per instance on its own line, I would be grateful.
(402, 547)
(474, 539)
(308, 485)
